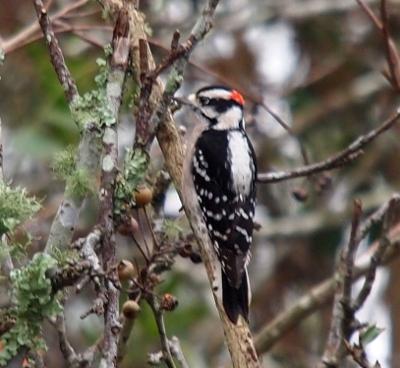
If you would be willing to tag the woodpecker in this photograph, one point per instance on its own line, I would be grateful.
(219, 180)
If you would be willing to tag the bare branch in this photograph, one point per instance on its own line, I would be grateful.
(392, 57)
(371, 14)
(89, 146)
(349, 154)
(376, 258)
(29, 34)
(123, 340)
(391, 53)
(114, 88)
(66, 349)
(359, 356)
(158, 315)
(377, 217)
(56, 55)
(143, 136)
(343, 315)
(176, 351)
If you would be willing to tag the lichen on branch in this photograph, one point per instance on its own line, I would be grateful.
(34, 301)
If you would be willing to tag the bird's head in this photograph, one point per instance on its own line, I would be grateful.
(219, 107)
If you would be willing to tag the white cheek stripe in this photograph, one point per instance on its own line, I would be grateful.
(241, 163)
(228, 120)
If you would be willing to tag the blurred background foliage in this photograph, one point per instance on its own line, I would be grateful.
(316, 63)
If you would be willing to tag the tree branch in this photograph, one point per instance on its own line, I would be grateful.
(89, 148)
(158, 315)
(114, 88)
(56, 55)
(353, 151)
(342, 315)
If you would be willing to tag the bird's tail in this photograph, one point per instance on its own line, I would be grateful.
(236, 301)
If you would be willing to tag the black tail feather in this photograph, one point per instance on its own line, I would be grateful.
(236, 301)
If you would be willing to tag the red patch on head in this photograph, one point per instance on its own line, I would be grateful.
(237, 97)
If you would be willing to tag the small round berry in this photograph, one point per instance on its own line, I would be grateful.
(128, 227)
(143, 195)
(300, 194)
(130, 309)
(126, 270)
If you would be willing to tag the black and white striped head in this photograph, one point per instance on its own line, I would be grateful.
(219, 107)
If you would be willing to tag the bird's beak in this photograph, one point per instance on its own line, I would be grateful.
(190, 100)
(183, 101)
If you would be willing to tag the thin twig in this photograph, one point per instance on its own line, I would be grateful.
(371, 14)
(143, 136)
(176, 351)
(392, 57)
(153, 235)
(26, 35)
(376, 258)
(81, 14)
(145, 256)
(349, 154)
(391, 53)
(350, 256)
(90, 40)
(65, 347)
(158, 315)
(342, 315)
(143, 233)
(123, 340)
(60, 30)
(56, 55)
(359, 356)
(376, 218)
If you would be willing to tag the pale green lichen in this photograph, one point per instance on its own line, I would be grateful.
(15, 207)
(132, 174)
(78, 181)
(175, 80)
(35, 301)
(93, 105)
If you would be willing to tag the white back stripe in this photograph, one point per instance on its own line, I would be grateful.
(241, 163)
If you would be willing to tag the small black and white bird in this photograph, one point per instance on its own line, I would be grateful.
(219, 181)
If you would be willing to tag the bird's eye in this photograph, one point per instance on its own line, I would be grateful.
(204, 100)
